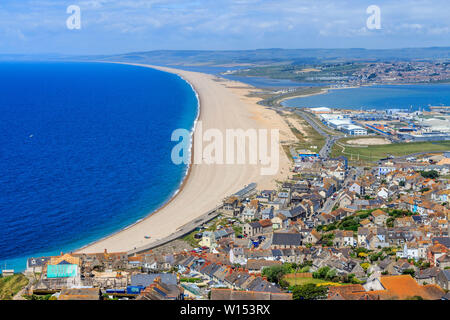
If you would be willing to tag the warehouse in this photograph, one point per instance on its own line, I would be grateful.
(354, 130)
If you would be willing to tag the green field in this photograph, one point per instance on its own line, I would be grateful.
(375, 153)
(9, 286)
(301, 281)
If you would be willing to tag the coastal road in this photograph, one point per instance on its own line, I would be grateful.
(180, 232)
(324, 153)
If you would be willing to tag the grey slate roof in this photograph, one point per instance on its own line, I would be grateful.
(289, 239)
(37, 262)
(446, 273)
(442, 240)
(147, 279)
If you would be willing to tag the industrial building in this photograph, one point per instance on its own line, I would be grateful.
(354, 130)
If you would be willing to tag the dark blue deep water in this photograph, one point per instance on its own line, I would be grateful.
(84, 151)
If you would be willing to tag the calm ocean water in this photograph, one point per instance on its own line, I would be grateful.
(84, 151)
(379, 97)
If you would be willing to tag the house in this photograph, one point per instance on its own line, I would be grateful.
(282, 240)
(146, 279)
(410, 251)
(135, 261)
(36, 265)
(209, 238)
(366, 223)
(345, 200)
(443, 279)
(252, 228)
(256, 265)
(237, 256)
(379, 217)
(160, 289)
(343, 238)
(7, 272)
(427, 276)
(362, 236)
(400, 287)
(249, 214)
(436, 251)
(267, 213)
(357, 188)
(268, 194)
(266, 226)
(153, 262)
(80, 294)
(230, 205)
(376, 240)
(443, 261)
(381, 171)
(383, 193)
(280, 221)
(230, 294)
(403, 222)
(325, 218)
(313, 237)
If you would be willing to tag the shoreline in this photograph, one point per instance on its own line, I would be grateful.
(204, 186)
(188, 170)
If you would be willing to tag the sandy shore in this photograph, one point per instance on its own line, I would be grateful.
(322, 91)
(223, 105)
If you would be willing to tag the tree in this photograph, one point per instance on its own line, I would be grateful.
(409, 271)
(321, 273)
(432, 174)
(365, 266)
(330, 275)
(309, 292)
(275, 273)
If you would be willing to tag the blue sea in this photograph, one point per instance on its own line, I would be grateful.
(412, 97)
(84, 151)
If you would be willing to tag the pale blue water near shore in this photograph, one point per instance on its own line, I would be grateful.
(378, 97)
(84, 151)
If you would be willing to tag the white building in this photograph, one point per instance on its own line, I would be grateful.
(353, 130)
(339, 123)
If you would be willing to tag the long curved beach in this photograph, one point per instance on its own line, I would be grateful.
(223, 105)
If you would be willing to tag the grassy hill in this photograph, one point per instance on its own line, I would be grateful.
(9, 286)
(374, 153)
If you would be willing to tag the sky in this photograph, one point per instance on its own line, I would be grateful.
(119, 26)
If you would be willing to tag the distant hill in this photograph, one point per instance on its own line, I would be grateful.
(276, 56)
(255, 57)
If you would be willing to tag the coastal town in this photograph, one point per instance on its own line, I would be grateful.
(336, 229)
(361, 73)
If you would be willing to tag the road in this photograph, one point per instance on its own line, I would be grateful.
(180, 232)
(324, 153)
(330, 203)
